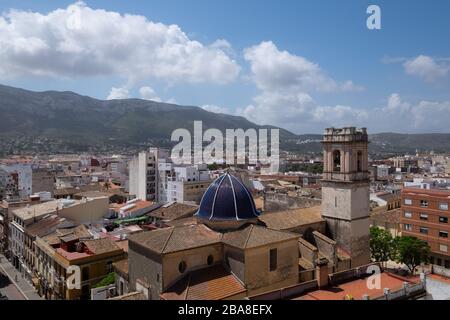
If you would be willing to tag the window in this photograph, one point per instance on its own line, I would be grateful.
(85, 274)
(443, 206)
(109, 266)
(423, 230)
(443, 219)
(121, 288)
(359, 161)
(439, 261)
(273, 259)
(408, 215)
(408, 227)
(443, 248)
(182, 267)
(423, 216)
(447, 264)
(336, 161)
(443, 234)
(408, 201)
(424, 203)
(210, 260)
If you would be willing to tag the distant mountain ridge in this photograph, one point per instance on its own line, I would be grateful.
(81, 122)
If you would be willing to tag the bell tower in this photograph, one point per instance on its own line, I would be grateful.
(345, 191)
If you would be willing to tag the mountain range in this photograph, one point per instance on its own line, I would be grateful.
(69, 122)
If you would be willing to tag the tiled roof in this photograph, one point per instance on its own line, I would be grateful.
(48, 225)
(251, 236)
(213, 283)
(284, 220)
(121, 267)
(390, 216)
(123, 244)
(55, 238)
(174, 211)
(176, 238)
(182, 222)
(389, 197)
(102, 245)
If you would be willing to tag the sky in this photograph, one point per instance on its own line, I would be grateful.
(300, 65)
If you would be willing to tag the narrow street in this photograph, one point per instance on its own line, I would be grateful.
(20, 290)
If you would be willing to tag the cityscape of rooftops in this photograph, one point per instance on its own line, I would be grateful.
(232, 152)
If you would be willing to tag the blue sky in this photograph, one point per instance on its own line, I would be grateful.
(301, 65)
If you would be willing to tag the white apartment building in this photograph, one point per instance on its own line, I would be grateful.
(143, 175)
(188, 183)
(165, 171)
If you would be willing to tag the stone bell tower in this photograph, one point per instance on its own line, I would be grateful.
(345, 191)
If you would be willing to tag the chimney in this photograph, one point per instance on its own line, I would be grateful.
(322, 272)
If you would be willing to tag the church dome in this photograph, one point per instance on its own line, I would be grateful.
(227, 199)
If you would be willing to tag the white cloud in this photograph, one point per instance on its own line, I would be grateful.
(148, 93)
(426, 68)
(80, 41)
(118, 93)
(273, 69)
(423, 116)
(285, 81)
(216, 109)
(300, 113)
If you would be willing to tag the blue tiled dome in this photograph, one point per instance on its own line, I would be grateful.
(227, 199)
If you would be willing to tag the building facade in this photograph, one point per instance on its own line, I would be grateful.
(143, 175)
(425, 215)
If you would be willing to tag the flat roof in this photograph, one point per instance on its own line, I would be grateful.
(357, 288)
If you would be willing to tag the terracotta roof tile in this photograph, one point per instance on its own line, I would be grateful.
(176, 238)
(284, 220)
(213, 283)
(251, 236)
(174, 211)
(102, 245)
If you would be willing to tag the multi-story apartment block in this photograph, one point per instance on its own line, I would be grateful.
(165, 172)
(143, 175)
(188, 183)
(425, 215)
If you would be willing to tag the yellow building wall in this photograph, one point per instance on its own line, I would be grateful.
(258, 277)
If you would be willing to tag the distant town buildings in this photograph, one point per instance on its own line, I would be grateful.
(143, 227)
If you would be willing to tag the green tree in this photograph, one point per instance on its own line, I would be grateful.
(411, 252)
(213, 166)
(381, 244)
(110, 278)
